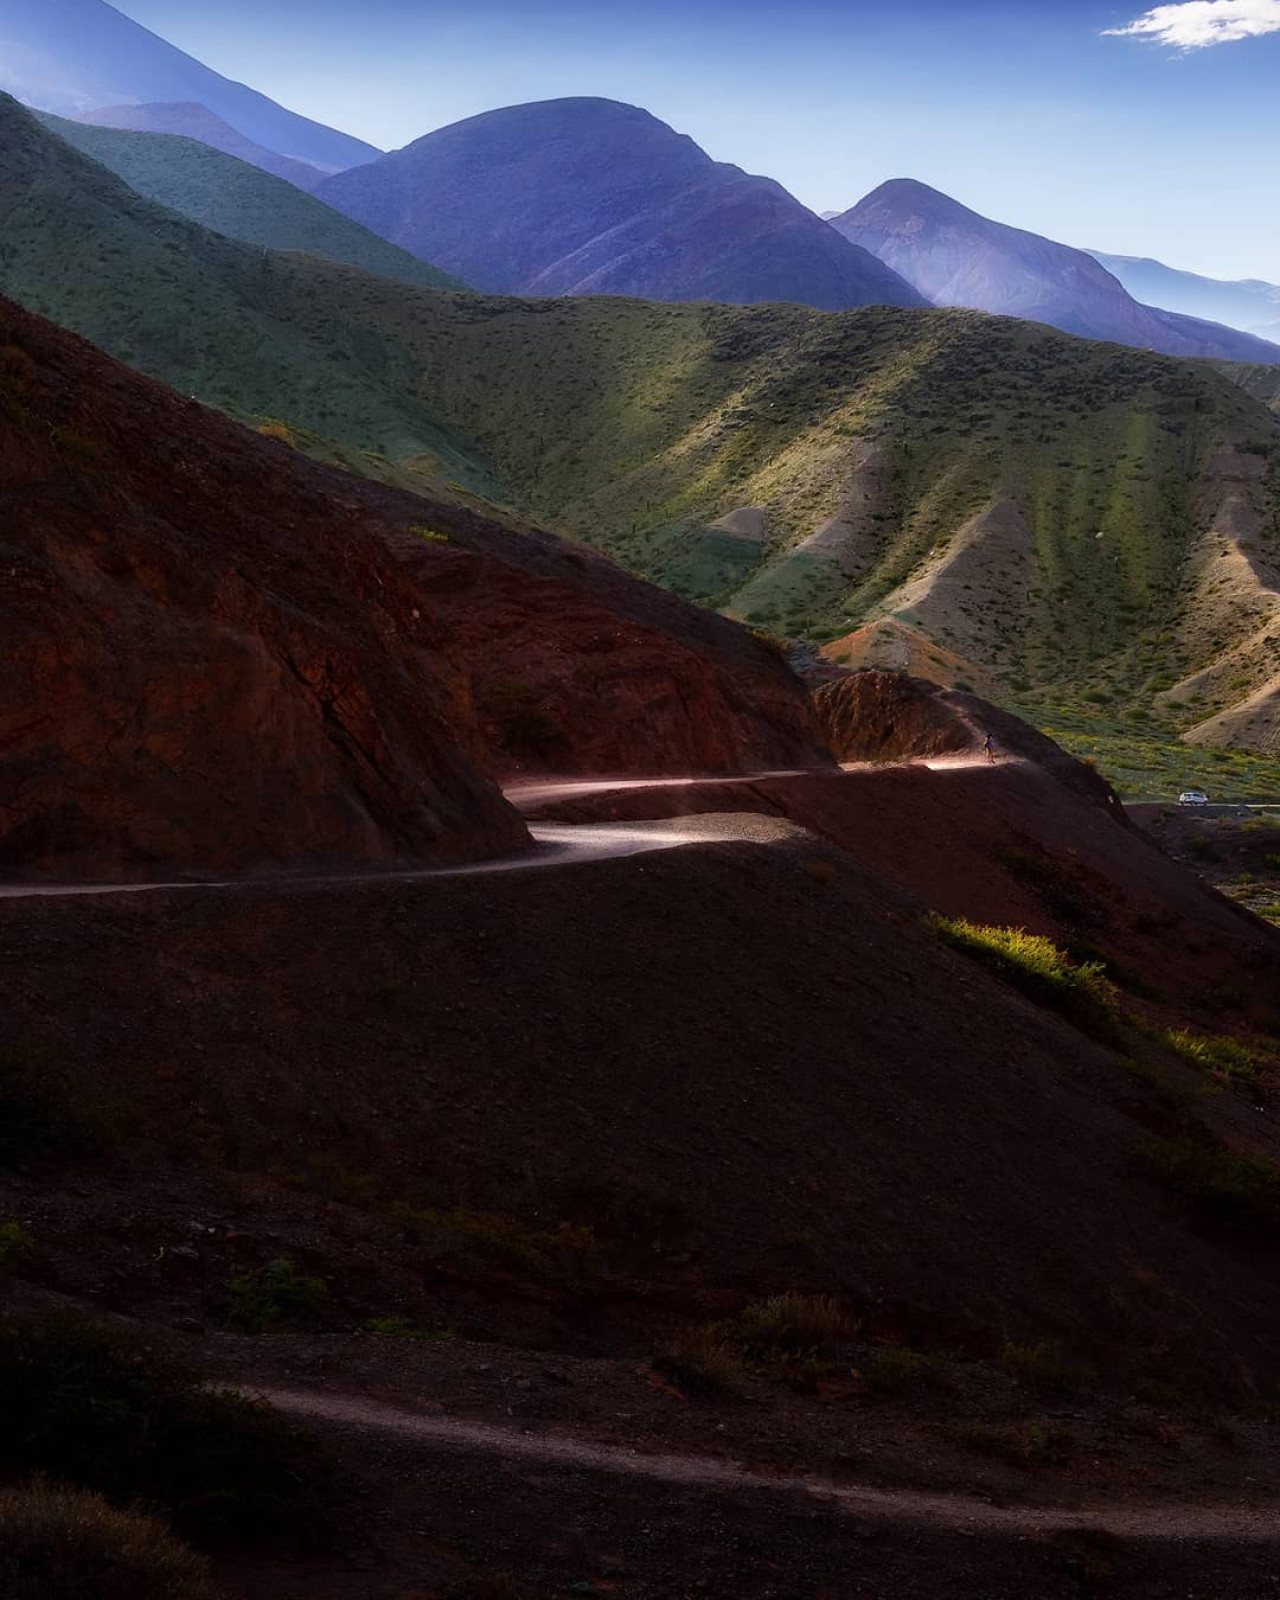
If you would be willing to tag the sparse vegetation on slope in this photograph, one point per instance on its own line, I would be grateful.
(231, 197)
(1035, 965)
(1057, 512)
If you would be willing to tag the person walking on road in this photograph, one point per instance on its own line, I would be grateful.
(989, 745)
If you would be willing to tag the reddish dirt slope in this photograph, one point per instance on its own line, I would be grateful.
(1037, 841)
(746, 1066)
(222, 656)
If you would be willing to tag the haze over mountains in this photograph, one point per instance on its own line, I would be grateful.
(198, 122)
(1250, 305)
(957, 258)
(74, 56)
(228, 196)
(572, 197)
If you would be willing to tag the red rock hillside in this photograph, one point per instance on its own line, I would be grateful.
(221, 656)
(890, 716)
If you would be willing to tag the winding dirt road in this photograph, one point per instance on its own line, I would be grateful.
(1252, 1524)
(555, 844)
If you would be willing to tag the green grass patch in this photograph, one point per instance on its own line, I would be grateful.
(1151, 762)
(1233, 1190)
(1036, 966)
(276, 1293)
(1222, 1055)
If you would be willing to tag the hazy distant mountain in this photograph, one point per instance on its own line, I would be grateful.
(573, 197)
(240, 201)
(1248, 304)
(958, 258)
(70, 56)
(198, 122)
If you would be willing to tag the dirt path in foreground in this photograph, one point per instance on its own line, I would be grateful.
(909, 1506)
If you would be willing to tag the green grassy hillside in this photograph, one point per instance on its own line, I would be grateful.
(1261, 382)
(206, 314)
(1081, 520)
(241, 201)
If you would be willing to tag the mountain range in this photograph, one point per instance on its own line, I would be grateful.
(1250, 304)
(586, 196)
(198, 122)
(229, 196)
(72, 56)
(1049, 509)
(956, 257)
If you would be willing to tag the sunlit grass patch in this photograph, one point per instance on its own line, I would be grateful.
(1036, 966)
(1222, 1055)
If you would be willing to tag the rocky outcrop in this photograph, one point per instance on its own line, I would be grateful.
(888, 716)
(205, 669)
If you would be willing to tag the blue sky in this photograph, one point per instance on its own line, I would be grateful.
(1157, 143)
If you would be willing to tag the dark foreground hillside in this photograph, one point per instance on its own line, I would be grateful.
(814, 1184)
(541, 1150)
(221, 656)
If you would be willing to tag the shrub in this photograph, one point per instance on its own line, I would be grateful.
(1028, 1446)
(272, 429)
(39, 1114)
(790, 1325)
(894, 1368)
(103, 1411)
(397, 1327)
(56, 1544)
(771, 641)
(1233, 1190)
(1200, 848)
(274, 1293)
(500, 1238)
(430, 535)
(16, 1246)
(1036, 966)
(700, 1361)
(1044, 1366)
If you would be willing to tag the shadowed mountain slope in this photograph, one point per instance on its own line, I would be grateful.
(958, 258)
(1249, 304)
(70, 56)
(198, 122)
(220, 655)
(228, 195)
(573, 197)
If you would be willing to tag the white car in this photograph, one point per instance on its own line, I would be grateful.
(1193, 797)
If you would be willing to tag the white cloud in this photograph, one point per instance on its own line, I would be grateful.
(1193, 24)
